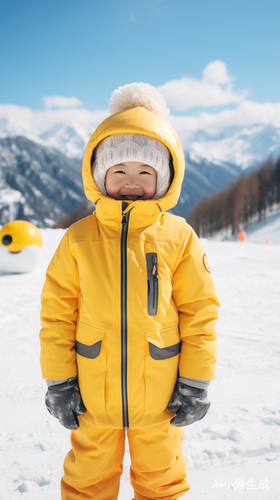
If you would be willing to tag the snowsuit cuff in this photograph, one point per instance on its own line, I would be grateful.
(57, 382)
(195, 382)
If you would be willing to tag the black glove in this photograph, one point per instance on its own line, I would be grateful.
(189, 403)
(64, 402)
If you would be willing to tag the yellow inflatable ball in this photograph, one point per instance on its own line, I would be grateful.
(20, 247)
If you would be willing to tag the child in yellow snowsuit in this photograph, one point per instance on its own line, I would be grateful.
(128, 312)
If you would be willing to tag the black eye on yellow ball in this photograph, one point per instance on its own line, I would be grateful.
(7, 239)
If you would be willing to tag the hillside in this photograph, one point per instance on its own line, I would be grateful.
(250, 198)
(38, 184)
(268, 229)
(202, 178)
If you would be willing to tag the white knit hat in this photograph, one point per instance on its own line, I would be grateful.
(119, 148)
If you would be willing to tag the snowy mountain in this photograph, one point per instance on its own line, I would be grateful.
(248, 147)
(38, 184)
(70, 139)
(211, 163)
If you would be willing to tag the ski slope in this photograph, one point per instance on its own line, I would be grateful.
(267, 229)
(233, 453)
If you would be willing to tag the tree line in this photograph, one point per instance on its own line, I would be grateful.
(234, 207)
(83, 210)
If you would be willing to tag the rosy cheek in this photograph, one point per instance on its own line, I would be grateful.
(150, 190)
(113, 186)
(151, 185)
(110, 183)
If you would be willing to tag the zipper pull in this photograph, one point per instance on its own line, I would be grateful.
(124, 218)
(154, 270)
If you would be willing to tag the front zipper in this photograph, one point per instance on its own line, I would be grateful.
(125, 222)
(152, 276)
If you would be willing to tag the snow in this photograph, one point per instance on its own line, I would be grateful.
(11, 199)
(236, 445)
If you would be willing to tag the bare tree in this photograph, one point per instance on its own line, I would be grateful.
(78, 213)
(235, 206)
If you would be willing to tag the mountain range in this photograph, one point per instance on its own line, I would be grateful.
(40, 174)
(38, 184)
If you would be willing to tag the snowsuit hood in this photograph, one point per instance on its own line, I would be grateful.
(135, 121)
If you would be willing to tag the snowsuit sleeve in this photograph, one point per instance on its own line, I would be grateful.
(196, 300)
(59, 314)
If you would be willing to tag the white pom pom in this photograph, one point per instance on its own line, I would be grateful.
(138, 94)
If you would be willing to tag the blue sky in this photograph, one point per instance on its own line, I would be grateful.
(87, 48)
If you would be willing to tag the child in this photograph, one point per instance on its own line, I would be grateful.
(129, 311)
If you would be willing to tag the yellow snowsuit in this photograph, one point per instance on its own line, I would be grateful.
(127, 303)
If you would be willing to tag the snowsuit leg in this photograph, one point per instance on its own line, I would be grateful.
(158, 466)
(94, 465)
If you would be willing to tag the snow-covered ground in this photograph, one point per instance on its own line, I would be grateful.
(234, 453)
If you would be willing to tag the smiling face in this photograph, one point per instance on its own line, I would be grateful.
(131, 180)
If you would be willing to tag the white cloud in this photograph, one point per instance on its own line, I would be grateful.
(246, 114)
(59, 101)
(214, 89)
(217, 71)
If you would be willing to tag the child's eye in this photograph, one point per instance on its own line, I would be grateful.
(145, 172)
(119, 172)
